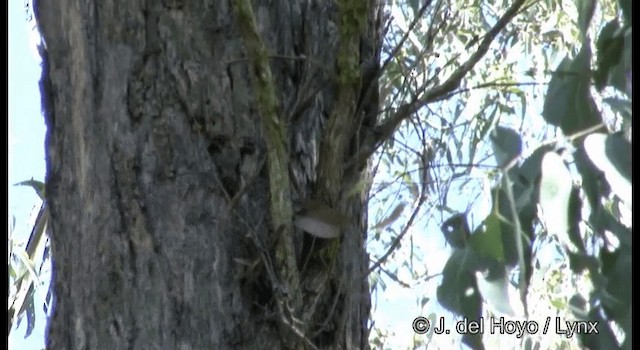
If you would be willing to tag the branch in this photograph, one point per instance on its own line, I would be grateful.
(396, 241)
(522, 283)
(385, 130)
(488, 85)
(423, 197)
(394, 52)
(395, 278)
(404, 38)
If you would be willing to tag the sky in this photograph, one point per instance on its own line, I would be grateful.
(26, 148)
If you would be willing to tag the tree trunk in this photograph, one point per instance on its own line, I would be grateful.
(157, 180)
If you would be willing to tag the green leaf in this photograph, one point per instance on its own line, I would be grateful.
(20, 269)
(47, 300)
(529, 345)
(523, 100)
(617, 273)
(29, 265)
(609, 48)
(392, 217)
(433, 319)
(412, 186)
(506, 143)
(484, 126)
(604, 339)
(620, 74)
(591, 175)
(578, 262)
(487, 239)
(456, 230)
(458, 292)
(612, 155)
(574, 217)
(585, 13)
(503, 210)
(415, 6)
(568, 103)
(555, 193)
(561, 88)
(603, 220)
(619, 105)
(38, 186)
(495, 290)
(423, 301)
(12, 272)
(558, 303)
(28, 310)
(625, 6)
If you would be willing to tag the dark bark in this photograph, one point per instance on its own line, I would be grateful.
(156, 177)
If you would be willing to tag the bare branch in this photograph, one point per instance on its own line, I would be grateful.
(395, 278)
(394, 52)
(396, 241)
(487, 85)
(404, 38)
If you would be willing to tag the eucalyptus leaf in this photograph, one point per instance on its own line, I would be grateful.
(555, 193)
(625, 6)
(495, 292)
(12, 272)
(484, 127)
(412, 186)
(621, 74)
(458, 290)
(620, 105)
(585, 13)
(393, 216)
(605, 338)
(458, 293)
(507, 145)
(610, 44)
(568, 103)
(30, 311)
(616, 267)
(612, 155)
(456, 230)
(579, 262)
(38, 186)
(487, 239)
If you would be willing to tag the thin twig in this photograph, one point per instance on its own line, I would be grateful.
(396, 241)
(518, 234)
(385, 130)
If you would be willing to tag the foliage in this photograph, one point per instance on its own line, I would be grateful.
(565, 196)
(25, 280)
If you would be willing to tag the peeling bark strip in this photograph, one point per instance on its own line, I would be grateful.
(163, 216)
(353, 15)
(275, 129)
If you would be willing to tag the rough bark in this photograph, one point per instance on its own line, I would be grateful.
(157, 183)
